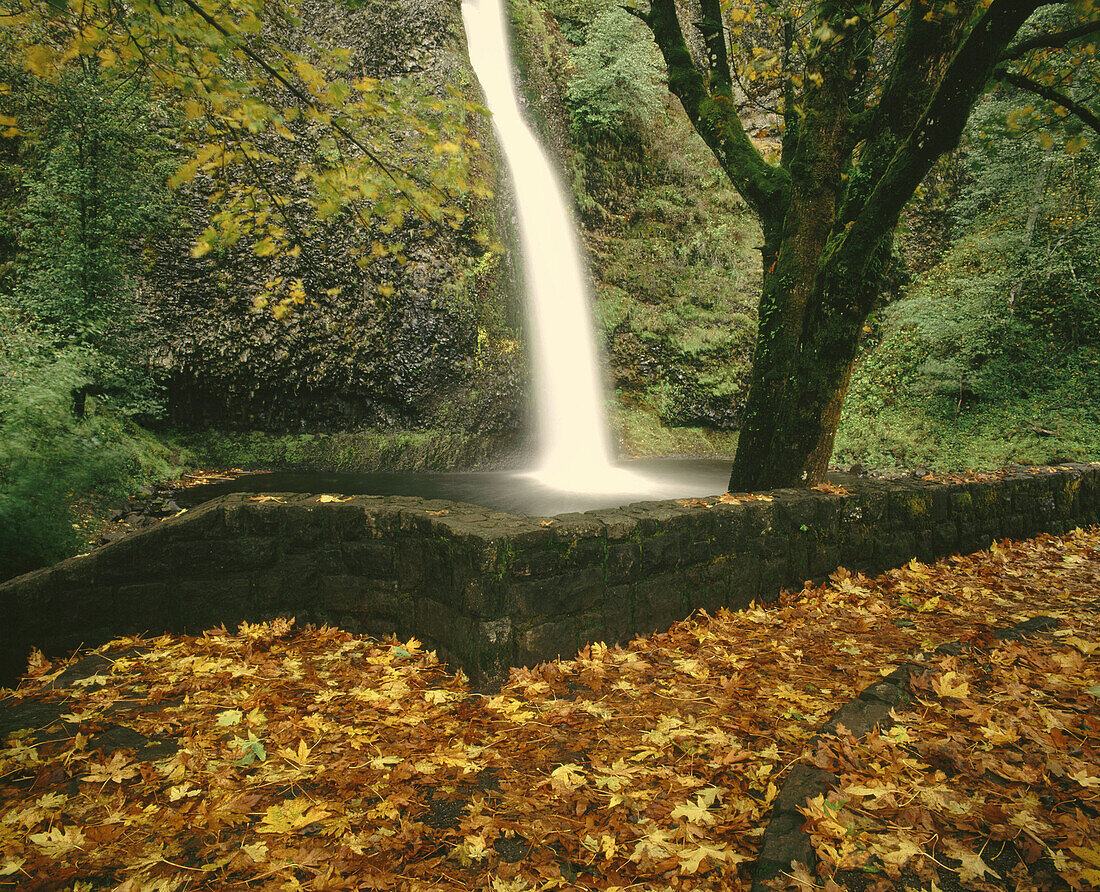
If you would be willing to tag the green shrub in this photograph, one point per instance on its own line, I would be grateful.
(994, 356)
(48, 457)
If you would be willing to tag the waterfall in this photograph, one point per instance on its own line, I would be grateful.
(574, 443)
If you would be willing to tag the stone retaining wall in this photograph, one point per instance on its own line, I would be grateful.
(491, 590)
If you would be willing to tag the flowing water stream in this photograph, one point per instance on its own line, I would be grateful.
(574, 444)
(575, 469)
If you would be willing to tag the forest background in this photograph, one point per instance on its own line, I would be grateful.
(146, 330)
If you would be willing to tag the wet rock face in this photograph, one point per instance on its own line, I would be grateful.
(411, 37)
(353, 355)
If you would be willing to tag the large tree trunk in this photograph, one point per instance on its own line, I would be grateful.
(795, 398)
(853, 153)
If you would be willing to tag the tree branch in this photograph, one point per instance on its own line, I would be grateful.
(1051, 95)
(309, 100)
(714, 116)
(714, 39)
(1050, 41)
(938, 128)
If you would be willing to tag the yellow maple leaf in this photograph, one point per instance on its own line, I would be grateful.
(694, 813)
(57, 842)
(951, 684)
(1084, 779)
(568, 777)
(897, 852)
(1089, 856)
(291, 816)
(11, 865)
(257, 851)
(117, 770)
(973, 867)
(692, 859)
(299, 757)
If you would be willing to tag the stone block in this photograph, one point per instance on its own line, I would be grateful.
(706, 587)
(758, 518)
(659, 553)
(961, 503)
(909, 505)
(145, 604)
(775, 576)
(698, 549)
(945, 539)
(371, 558)
(564, 593)
(768, 548)
(622, 561)
(465, 581)
(208, 603)
(794, 513)
(590, 551)
(547, 638)
(484, 596)
(618, 613)
(895, 548)
(294, 584)
(544, 560)
(441, 624)
(659, 601)
(617, 526)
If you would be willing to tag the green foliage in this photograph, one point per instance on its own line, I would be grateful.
(618, 83)
(48, 457)
(90, 164)
(995, 356)
(641, 433)
(93, 175)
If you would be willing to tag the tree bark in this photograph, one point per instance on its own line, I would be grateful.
(853, 155)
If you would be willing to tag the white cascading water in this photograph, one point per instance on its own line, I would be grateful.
(574, 444)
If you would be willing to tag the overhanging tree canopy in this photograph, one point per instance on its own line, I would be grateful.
(380, 151)
(865, 96)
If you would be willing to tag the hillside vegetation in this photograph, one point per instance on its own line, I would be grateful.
(992, 355)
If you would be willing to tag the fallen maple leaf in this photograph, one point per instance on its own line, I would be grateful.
(694, 813)
(291, 816)
(692, 859)
(832, 489)
(972, 866)
(11, 865)
(568, 777)
(951, 684)
(1084, 779)
(117, 770)
(57, 842)
(257, 851)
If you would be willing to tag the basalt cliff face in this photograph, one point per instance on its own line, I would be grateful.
(444, 350)
(670, 252)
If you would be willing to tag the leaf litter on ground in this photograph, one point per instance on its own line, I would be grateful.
(281, 757)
